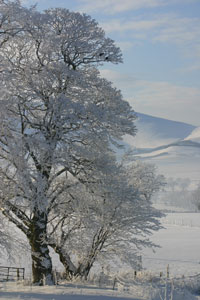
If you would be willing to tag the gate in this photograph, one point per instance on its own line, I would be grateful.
(11, 273)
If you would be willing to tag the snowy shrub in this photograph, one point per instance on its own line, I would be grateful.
(192, 284)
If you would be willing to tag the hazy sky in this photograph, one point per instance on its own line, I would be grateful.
(160, 41)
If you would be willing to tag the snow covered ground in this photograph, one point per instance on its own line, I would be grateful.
(137, 291)
(180, 246)
(63, 292)
(180, 249)
(149, 291)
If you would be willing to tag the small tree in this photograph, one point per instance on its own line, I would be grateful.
(109, 220)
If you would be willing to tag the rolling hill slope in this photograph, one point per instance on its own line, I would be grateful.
(174, 147)
(163, 127)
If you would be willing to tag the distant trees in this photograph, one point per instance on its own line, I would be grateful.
(60, 182)
(196, 197)
(178, 193)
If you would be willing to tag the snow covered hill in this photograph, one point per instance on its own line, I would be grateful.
(164, 128)
(161, 150)
(194, 136)
(173, 146)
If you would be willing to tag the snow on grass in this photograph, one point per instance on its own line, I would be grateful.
(182, 219)
(140, 290)
(180, 246)
(180, 249)
(64, 292)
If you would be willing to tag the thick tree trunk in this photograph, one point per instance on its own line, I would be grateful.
(83, 269)
(69, 272)
(97, 244)
(41, 260)
(70, 268)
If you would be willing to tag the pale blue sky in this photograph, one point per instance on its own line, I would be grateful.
(160, 41)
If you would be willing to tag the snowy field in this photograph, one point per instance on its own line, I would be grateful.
(137, 291)
(180, 249)
(180, 246)
(14, 292)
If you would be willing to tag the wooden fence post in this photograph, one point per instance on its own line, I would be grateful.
(8, 273)
(135, 274)
(114, 283)
(17, 274)
(11, 273)
(168, 271)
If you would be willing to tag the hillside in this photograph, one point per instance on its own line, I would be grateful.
(163, 127)
(174, 147)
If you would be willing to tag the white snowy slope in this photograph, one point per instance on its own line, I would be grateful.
(173, 146)
(164, 128)
(194, 136)
(170, 149)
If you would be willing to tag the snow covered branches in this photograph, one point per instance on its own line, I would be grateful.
(58, 121)
(106, 221)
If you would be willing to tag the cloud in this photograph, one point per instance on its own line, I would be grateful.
(158, 98)
(162, 27)
(33, 2)
(180, 31)
(165, 28)
(117, 77)
(117, 6)
(121, 25)
(126, 45)
(176, 102)
(192, 68)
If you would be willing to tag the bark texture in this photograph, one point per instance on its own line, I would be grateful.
(41, 260)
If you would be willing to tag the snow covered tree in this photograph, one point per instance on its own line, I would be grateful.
(57, 114)
(108, 221)
(8, 25)
(144, 177)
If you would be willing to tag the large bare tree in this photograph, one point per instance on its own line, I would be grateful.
(57, 114)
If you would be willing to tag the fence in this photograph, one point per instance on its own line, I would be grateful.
(11, 273)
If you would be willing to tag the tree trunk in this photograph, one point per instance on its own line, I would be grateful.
(84, 267)
(97, 244)
(83, 270)
(70, 268)
(41, 260)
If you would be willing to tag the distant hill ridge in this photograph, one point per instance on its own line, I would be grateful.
(164, 127)
(174, 147)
